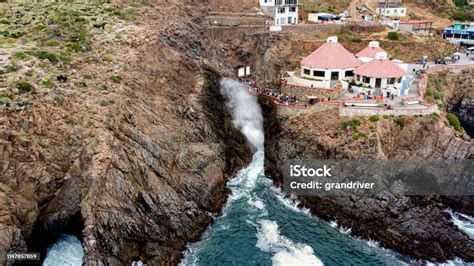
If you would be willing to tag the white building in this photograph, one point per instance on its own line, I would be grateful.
(380, 74)
(285, 12)
(331, 64)
(391, 8)
(328, 65)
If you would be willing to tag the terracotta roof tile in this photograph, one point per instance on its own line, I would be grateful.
(380, 69)
(331, 55)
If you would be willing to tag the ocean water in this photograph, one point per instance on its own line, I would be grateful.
(258, 226)
(464, 222)
(67, 251)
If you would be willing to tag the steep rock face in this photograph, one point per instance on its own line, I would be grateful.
(459, 95)
(135, 176)
(416, 226)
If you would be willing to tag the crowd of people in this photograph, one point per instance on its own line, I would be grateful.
(279, 97)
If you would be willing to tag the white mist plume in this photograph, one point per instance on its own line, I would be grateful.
(246, 113)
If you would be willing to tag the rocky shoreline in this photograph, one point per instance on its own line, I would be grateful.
(414, 226)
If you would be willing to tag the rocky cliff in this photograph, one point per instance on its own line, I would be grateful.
(415, 226)
(453, 89)
(129, 148)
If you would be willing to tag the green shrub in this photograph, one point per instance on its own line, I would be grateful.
(355, 136)
(47, 82)
(454, 122)
(400, 122)
(52, 57)
(386, 116)
(435, 116)
(16, 34)
(355, 39)
(24, 86)
(438, 95)
(461, 3)
(52, 42)
(374, 118)
(116, 79)
(393, 36)
(344, 124)
(12, 67)
(355, 123)
(22, 102)
(5, 101)
(19, 56)
(103, 87)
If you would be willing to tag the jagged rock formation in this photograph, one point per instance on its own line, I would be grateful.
(136, 174)
(416, 226)
(458, 94)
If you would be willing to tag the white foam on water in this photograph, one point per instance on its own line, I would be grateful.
(66, 251)
(286, 252)
(291, 202)
(455, 262)
(464, 222)
(345, 230)
(373, 243)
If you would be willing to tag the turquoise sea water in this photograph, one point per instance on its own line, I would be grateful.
(260, 227)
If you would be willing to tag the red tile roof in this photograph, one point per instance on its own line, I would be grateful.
(378, 68)
(370, 52)
(331, 55)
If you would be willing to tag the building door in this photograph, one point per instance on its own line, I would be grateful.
(378, 83)
(335, 75)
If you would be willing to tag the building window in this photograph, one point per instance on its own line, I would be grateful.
(399, 80)
(395, 11)
(306, 71)
(366, 80)
(402, 11)
(281, 10)
(349, 73)
(319, 73)
(292, 9)
(457, 35)
(391, 81)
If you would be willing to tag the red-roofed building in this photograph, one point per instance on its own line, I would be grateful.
(368, 53)
(380, 73)
(328, 64)
(331, 64)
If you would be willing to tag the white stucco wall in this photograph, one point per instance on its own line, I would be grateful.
(392, 12)
(326, 80)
